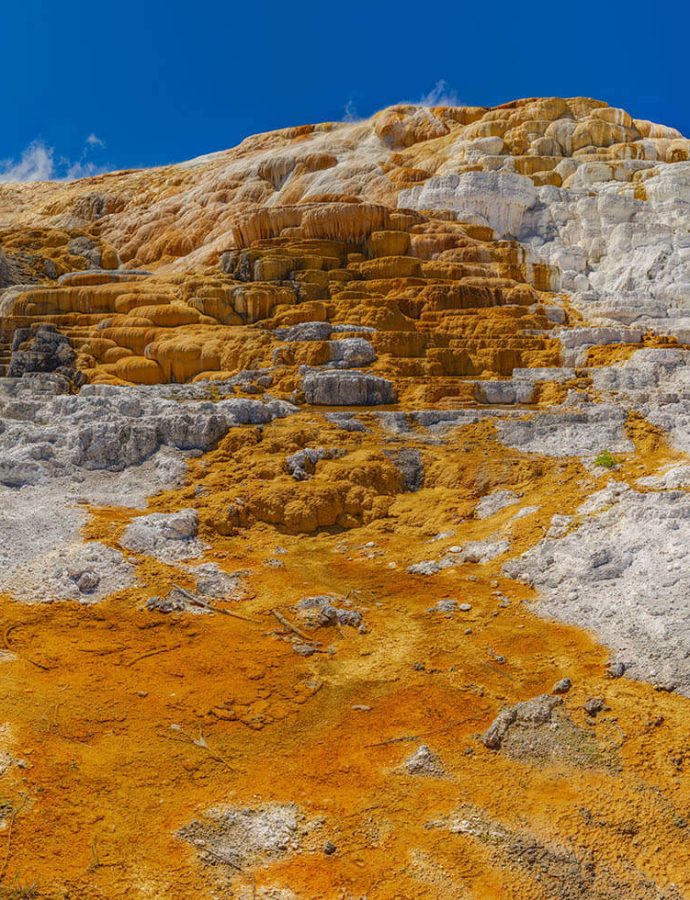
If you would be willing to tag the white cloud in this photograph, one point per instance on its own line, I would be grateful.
(37, 163)
(439, 95)
(94, 141)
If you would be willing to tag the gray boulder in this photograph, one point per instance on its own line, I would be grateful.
(347, 389)
(305, 331)
(351, 353)
(537, 711)
(41, 350)
(424, 761)
(302, 464)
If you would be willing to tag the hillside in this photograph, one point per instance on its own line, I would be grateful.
(344, 481)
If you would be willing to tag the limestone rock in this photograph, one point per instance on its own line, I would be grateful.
(347, 389)
(424, 762)
(301, 465)
(42, 350)
(481, 551)
(529, 712)
(323, 611)
(494, 503)
(166, 536)
(620, 572)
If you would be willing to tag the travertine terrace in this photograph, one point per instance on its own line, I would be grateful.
(344, 481)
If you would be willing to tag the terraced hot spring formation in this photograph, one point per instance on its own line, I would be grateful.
(345, 508)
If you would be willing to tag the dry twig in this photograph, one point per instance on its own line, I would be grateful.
(199, 602)
(152, 653)
(287, 624)
(201, 742)
(6, 639)
(415, 737)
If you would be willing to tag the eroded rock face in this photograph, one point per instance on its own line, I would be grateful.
(482, 205)
(411, 465)
(569, 432)
(42, 350)
(496, 199)
(7, 274)
(48, 432)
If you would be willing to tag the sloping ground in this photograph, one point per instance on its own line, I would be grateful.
(344, 515)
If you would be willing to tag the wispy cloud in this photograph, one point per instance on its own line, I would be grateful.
(38, 163)
(83, 169)
(351, 114)
(94, 141)
(439, 95)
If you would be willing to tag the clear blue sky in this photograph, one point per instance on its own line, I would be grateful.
(160, 81)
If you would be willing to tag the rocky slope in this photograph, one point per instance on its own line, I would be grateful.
(344, 490)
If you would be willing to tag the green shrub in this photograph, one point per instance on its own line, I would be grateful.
(607, 460)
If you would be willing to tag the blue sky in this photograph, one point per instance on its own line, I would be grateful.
(116, 85)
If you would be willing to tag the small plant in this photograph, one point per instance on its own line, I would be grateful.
(606, 459)
(20, 892)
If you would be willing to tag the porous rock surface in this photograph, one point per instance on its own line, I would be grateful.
(622, 571)
(61, 451)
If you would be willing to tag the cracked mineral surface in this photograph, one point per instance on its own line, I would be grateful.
(344, 514)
